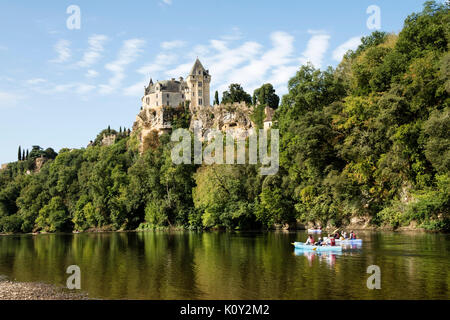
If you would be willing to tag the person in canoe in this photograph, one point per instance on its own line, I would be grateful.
(331, 241)
(352, 235)
(319, 242)
(310, 240)
(336, 235)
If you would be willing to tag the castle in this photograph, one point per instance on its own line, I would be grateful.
(165, 101)
(173, 93)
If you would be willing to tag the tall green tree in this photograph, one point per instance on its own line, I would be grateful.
(236, 93)
(265, 95)
(216, 98)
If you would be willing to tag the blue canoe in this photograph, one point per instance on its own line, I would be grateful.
(302, 246)
(314, 231)
(349, 242)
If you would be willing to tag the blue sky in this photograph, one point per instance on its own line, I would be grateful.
(60, 87)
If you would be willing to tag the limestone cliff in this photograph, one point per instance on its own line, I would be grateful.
(229, 117)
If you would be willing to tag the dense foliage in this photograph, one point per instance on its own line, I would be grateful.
(369, 138)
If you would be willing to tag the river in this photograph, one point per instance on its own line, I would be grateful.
(225, 265)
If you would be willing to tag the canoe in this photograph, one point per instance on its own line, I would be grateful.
(302, 246)
(314, 231)
(349, 242)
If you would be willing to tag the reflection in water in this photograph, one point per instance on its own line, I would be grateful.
(189, 265)
(327, 257)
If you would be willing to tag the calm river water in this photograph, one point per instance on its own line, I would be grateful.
(219, 265)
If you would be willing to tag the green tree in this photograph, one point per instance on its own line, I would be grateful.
(53, 216)
(236, 93)
(265, 95)
(216, 98)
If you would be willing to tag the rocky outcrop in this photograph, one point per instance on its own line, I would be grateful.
(234, 118)
(38, 163)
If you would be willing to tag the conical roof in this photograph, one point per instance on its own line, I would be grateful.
(197, 66)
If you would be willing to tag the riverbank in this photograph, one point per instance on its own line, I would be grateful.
(11, 290)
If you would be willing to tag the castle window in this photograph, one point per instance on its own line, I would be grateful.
(156, 103)
(156, 96)
(167, 95)
(200, 102)
(199, 72)
(200, 93)
(200, 84)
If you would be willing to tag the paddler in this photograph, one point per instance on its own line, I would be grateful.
(331, 241)
(310, 240)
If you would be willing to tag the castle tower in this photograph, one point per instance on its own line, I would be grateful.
(198, 81)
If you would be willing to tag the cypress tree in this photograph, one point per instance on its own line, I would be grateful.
(26, 157)
(23, 155)
(19, 154)
(216, 98)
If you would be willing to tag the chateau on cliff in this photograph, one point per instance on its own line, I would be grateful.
(164, 101)
(173, 93)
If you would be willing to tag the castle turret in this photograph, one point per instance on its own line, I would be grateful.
(198, 82)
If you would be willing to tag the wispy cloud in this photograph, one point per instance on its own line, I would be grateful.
(94, 52)
(36, 81)
(153, 69)
(249, 63)
(91, 73)
(168, 45)
(350, 44)
(316, 48)
(279, 55)
(128, 53)
(62, 48)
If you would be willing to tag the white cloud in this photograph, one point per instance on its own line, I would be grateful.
(168, 45)
(248, 63)
(235, 34)
(78, 88)
(36, 81)
(280, 55)
(153, 69)
(94, 52)
(161, 62)
(136, 89)
(63, 51)
(128, 53)
(169, 2)
(225, 60)
(91, 73)
(83, 89)
(316, 48)
(9, 99)
(350, 44)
